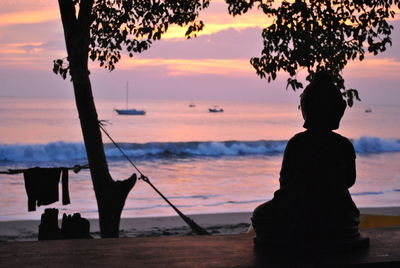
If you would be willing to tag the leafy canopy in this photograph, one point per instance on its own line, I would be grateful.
(319, 34)
(305, 34)
(133, 25)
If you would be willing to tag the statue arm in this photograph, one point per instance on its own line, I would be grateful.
(287, 164)
(351, 168)
(351, 174)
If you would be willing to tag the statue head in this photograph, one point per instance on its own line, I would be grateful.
(322, 104)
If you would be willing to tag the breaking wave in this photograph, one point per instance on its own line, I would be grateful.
(367, 144)
(65, 151)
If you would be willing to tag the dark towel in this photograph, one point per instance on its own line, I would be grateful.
(41, 186)
(65, 191)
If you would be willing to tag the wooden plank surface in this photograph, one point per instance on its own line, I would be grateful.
(190, 251)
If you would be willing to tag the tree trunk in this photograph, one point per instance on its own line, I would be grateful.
(110, 194)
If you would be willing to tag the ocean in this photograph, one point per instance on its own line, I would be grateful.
(203, 162)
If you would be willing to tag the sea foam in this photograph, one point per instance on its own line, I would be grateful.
(66, 151)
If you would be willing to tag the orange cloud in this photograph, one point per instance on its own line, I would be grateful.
(31, 55)
(216, 22)
(373, 67)
(182, 67)
(28, 17)
(20, 48)
(370, 67)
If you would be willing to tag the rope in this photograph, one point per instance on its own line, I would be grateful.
(195, 227)
(119, 148)
(75, 168)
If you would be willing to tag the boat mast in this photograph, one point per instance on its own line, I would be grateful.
(127, 90)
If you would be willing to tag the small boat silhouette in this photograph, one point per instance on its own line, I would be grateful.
(215, 109)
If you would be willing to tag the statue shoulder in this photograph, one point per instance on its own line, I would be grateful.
(342, 139)
(299, 137)
(345, 143)
(297, 140)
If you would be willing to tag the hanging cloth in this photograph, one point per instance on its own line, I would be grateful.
(41, 186)
(64, 183)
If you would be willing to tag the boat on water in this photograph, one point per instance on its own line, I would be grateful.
(128, 111)
(192, 105)
(368, 110)
(215, 109)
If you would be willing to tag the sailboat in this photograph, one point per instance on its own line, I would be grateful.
(215, 109)
(128, 111)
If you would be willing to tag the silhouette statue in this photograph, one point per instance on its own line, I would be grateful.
(313, 207)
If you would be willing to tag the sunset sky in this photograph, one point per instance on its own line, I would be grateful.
(213, 66)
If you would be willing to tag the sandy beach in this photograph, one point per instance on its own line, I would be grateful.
(227, 223)
(223, 223)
